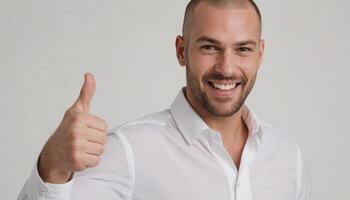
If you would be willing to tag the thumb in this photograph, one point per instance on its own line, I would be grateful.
(83, 102)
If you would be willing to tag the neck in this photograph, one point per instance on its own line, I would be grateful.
(232, 128)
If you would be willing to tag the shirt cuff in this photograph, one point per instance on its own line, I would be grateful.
(38, 188)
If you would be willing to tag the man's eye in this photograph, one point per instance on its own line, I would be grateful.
(209, 47)
(244, 49)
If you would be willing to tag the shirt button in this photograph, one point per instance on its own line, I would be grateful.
(238, 184)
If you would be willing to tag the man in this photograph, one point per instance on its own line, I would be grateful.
(208, 145)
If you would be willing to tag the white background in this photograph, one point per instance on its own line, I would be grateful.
(46, 46)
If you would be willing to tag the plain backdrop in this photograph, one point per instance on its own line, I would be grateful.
(46, 46)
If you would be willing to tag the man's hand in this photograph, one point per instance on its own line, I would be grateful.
(78, 141)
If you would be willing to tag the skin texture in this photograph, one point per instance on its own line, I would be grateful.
(223, 45)
(78, 141)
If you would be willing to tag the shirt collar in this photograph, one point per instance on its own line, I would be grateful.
(191, 125)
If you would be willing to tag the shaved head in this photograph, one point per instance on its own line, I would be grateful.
(221, 45)
(238, 4)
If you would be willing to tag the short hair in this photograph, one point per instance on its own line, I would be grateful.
(219, 3)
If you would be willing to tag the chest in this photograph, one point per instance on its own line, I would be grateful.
(200, 175)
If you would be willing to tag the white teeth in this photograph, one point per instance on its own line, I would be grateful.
(224, 86)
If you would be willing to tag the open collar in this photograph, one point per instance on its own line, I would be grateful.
(191, 125)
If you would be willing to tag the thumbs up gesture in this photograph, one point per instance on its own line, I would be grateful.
(78, 141)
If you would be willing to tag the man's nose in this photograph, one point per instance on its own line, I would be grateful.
(226, 63)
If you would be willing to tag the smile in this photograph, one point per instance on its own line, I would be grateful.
(223, 86)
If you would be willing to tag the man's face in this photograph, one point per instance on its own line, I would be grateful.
(222, 53)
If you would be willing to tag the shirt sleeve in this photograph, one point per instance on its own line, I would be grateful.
(303, 178)
(111, 179)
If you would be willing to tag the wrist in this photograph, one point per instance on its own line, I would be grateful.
(50, 173)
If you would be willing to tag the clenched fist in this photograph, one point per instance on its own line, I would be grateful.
(78, 141)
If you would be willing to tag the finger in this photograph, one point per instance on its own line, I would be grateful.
(88, 120)
(93, 122)
(92, 148)
(91, 160)
(87, 91)
(96, 136)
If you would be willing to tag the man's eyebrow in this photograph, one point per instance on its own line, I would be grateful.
(215, 41)
(246, 42)
(208, 39)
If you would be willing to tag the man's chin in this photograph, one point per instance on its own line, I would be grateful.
(226, 113)
(220, 110)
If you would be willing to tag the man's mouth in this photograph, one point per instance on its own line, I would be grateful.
(223, 86)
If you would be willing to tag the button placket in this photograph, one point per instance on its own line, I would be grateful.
(225, 161)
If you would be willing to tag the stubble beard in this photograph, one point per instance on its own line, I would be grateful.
(204, 100)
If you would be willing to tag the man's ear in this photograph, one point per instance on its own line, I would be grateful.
(261, 49)
(180, 50)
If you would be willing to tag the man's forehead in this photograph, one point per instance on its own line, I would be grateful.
(208, 39)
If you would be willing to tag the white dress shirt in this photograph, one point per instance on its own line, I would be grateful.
(174, 155)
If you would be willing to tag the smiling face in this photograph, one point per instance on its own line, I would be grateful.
(222, 52)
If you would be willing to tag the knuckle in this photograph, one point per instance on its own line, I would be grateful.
(75, 146)
(105, 125)
(101, 150)
(75, 158)
(102, 139)
(101, 122)
(95, 162)
(79, 167)
(97, 150)
(76, 119)
(74, 135)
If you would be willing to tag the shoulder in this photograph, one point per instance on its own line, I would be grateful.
(271, 132)
(145, 125)
(276, 139)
